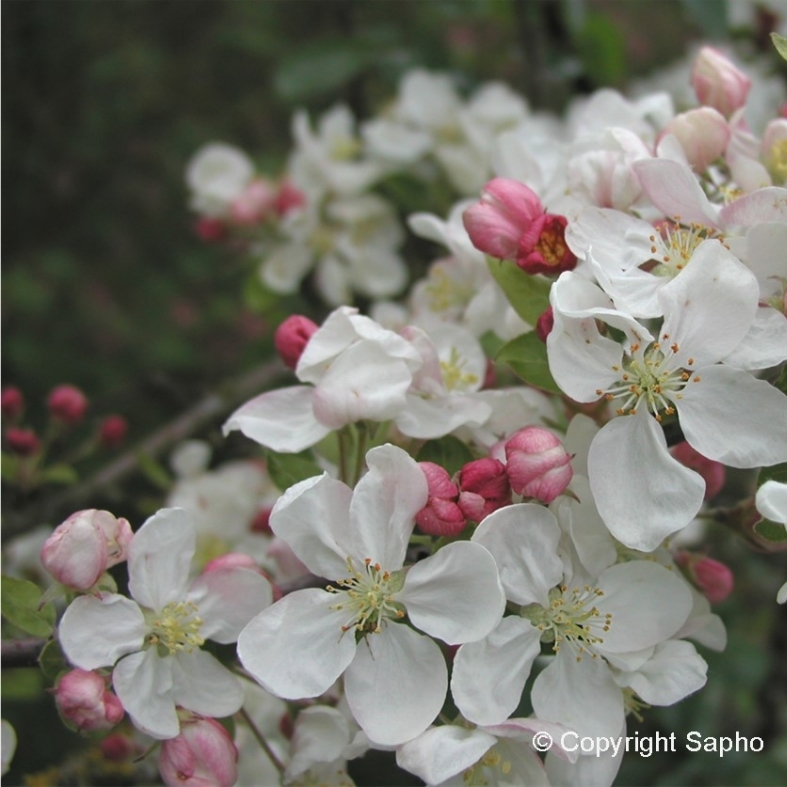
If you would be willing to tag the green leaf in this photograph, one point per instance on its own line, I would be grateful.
(20, 607)
(527, 356)
(449, 452)
(771, 531)
(10, 465)
(780, 42)
(59, 474)
(288, 469)
(51, 660)
(528, 294)
(602, 48)
(154, 472)
(257, 296)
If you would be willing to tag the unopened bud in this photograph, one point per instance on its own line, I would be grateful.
(703, 134)
(537, 464)
(113, 431)
(714, 473)
(292, 336)
(68, 404)
(712, 578)
(289, 198)
(118, 747)
(545, 323)
(441, 516)
(484, 488)
(23, 442)
(718, 83)
(83, 547)
(12, 402)
(209, 229)
(83, 699)
(254, 203)
(202, 754)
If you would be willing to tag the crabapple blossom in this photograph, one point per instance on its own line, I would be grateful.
(771, 502)
(154, 641)
(83, 699)
(217, 175)
(395, 678)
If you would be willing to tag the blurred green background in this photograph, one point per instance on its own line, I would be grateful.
(105, 285)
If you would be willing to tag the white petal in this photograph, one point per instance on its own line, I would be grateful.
(523, 539)
(143, 683)
(384, 505)
(455, 594)
(442, 752)
(283, 269)
(396, 685)
(96, 632)
(648, 604)
(489, 676)
(283, 420)
(771, 501)
(781, 596)
(431, 418)
(296, 648)
(227, 599)
(321, 736)
(204, 685)
(581, 695)
(159, 558)
(313, 518)
(735, 418)
(642, 493)
(675, 671)
(765, 344)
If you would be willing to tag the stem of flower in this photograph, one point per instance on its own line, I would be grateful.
(278, 764)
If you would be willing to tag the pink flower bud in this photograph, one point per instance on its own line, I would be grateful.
(484, 488)
(23, 442)
(441, 516)
(231, 560)
(714, 473)
(112, 431)
(713, 578)
(289, 198)
(67, 403)
(118, 747)
(254, 204)
(292, 336)
(703, 134)
(209, 229)
(83, 699)
(718, 83)
(538, 465)
(203, 755)
(510, 223)
(83, 547)
(12, 402)
(262, 522)
(544, 324)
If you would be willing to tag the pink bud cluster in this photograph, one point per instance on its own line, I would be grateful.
(537, 466)
(510, 223)
(83, 699)
(83, 547)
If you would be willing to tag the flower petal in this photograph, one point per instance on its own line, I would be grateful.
(489, 676)
(96, 632)
(642, 493)
(227, 599)
(455, 594)
(396, 684)
(143, 683)
(159, 558)
(282, 420)
(296, 648)
(204, 685)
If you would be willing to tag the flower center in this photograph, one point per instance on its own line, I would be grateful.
(571, 618)
(176, 628)
(652, 378)
(369, 597)
(443, 293)
(551, 244)
(476, 775)
(673, 248)
(777, 159)
(454, 378)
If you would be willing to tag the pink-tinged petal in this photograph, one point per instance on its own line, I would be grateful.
(648, 604)
(443, 752)
(489, 676)
(675, 191)
(396, 684)
(296, 648)
(227, 599)
(202, 684)
(455, 594)
(143, 683)
(734, 418)
(710, 306)
(384, 505)
(767, 205)
(642, 493)
(523, 540)
(159, 558)
(313, 518)
(582, 695)
(282, 420)
(96, 632)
